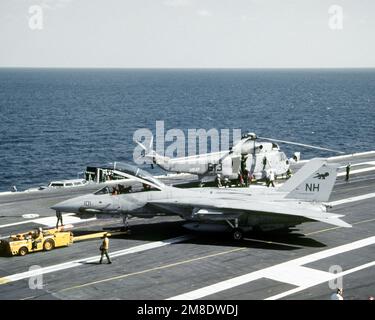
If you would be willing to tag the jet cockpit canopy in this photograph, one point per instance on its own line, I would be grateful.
(130, 171)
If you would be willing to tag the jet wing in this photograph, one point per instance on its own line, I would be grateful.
(231, 207)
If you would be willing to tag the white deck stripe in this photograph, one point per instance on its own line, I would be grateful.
(8, 204)
(272, 271)
(352, 199)
(340, 174)
(333, 276)
(371, 163)
(80, 262)
(353, 155)
(298, 275)
(50, 221)
(15, 224)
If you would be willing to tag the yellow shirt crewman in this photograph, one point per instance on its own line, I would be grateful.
(104, 249)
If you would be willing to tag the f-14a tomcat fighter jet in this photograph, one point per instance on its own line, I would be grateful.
(301, 199)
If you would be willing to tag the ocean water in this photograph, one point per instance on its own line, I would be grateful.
(55, 122)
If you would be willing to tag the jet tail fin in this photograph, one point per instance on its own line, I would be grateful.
(150, 153)
(313, 182)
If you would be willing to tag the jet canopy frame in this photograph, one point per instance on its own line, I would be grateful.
(132, 172)
(121, 171)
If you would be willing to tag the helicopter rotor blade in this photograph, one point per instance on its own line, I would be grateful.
(224, 155)
(231, 149)
(302, 145)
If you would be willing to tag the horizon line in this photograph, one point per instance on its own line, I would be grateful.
(190, 68)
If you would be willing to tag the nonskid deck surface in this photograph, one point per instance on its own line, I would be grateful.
(162, 260)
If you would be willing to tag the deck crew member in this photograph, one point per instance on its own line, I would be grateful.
(240, 180)
(250, 178)
(347, 171)
(226, 182)
(264, 163)
(243, 164)
(104, 249)
(288, 173)
(271, 178)
(59, 218)
(37, 238)
(246, 177)
(218, 181)
(337, 295)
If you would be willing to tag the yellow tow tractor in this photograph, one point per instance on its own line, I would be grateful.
(36, 240)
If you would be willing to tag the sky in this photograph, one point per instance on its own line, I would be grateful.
(187, 33)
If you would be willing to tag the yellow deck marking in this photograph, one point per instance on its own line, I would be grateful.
(273, 242)
(153, 269)
(320, 231)
(363, 221)
(3, 280)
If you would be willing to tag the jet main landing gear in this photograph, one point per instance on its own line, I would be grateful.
(237, 233)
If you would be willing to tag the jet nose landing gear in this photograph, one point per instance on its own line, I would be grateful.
(237, 233)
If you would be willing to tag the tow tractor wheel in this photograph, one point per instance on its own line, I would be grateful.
(237, 234)
(48, 245)
(23, 251)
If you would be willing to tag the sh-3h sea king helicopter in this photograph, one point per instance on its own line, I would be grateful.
(247, 156)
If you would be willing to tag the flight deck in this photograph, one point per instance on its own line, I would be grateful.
(160, 259)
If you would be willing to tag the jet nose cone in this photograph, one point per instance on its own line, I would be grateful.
(66, 206)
